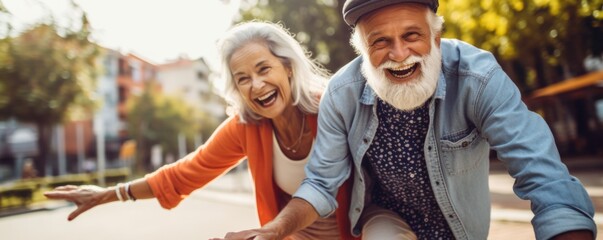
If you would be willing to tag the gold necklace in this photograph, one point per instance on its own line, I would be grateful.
(290, 148)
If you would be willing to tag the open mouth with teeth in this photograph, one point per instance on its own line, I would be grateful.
(267, 99)
(404, 71)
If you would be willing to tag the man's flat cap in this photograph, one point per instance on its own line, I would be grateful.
(354, 9)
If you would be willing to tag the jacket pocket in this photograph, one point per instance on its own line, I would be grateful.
(463, 151)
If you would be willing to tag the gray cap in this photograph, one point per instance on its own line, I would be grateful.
(354, 9)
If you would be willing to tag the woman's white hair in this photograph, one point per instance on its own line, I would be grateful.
(436, 23)
(308, 78)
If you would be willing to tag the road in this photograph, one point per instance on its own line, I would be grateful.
(227, 205)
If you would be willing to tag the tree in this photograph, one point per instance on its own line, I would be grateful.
(317, 24)
(154, 118)
(537, 42)
(48, 75)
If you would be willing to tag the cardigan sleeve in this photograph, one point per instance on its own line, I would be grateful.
(223, 150)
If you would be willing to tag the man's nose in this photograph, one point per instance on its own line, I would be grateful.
(398, 51)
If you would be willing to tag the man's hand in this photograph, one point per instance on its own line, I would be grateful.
(253, 234)
(573, 235)
(297, 215)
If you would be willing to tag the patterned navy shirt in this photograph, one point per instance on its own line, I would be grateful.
(396, 161)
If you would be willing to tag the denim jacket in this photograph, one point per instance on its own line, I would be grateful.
(476, 107)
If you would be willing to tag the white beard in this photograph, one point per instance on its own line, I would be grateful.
(409, 95)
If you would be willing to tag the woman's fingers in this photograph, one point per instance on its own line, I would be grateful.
(85, 197)
(59, 195)
(73, 215)
(61, 192)
(66, 188)
(77, 212)
(73, 193)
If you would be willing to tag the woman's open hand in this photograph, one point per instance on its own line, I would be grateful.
(85, 197)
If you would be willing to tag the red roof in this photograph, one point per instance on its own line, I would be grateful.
(584, 81)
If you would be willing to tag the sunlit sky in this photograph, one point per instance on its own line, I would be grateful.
(158, 30)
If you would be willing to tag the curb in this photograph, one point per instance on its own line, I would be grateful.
(47, 205)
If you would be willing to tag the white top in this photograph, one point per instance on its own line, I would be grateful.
(288, 174)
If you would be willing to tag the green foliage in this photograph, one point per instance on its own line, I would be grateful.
(154, 118)
(317, 24)
(538, 42)
(47, 75)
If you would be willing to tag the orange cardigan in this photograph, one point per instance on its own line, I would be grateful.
(231, 142)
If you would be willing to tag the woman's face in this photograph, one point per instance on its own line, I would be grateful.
(262, 79)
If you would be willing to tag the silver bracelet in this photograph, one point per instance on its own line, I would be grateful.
(118, 192)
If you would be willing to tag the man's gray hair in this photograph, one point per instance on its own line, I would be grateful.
(308, 78)
(435, 22)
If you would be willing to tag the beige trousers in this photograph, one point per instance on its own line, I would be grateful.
(382, 224)
(322, 229)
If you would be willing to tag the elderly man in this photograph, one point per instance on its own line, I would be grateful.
(416, 116)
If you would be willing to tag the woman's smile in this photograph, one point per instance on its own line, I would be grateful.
(267, 99)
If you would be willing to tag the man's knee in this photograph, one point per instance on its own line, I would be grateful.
(383, 224)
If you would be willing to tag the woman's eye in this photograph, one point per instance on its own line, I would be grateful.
(242, 80)
(264, 69)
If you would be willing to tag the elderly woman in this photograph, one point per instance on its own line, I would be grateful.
(273, 90)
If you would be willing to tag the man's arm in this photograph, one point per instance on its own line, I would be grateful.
(524, 142)
(297, 215)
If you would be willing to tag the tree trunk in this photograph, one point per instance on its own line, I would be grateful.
(44, 135)
(142, 151)
(541, 79)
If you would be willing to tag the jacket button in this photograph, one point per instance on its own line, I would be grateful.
(365, 140)
(357, 210)
(465, 144)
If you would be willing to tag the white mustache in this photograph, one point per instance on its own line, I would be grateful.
(408, 61)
